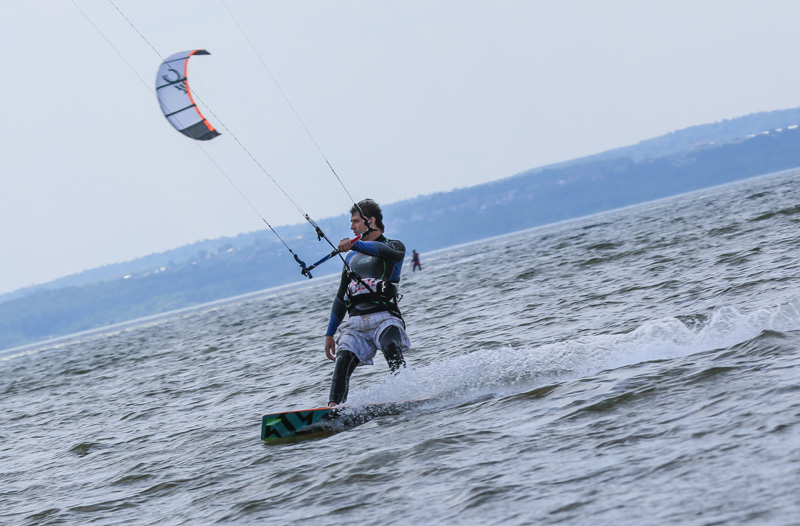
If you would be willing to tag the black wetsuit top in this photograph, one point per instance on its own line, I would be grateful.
(378, 264)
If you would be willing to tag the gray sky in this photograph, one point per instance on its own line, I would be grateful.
(404, 98)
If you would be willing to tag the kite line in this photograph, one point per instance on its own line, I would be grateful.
(177, 103)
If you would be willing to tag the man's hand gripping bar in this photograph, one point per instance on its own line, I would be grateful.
(306, 271)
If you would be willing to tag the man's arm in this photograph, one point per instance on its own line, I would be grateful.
(338, 311)
(393, 250)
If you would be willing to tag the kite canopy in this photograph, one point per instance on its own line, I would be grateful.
(175, 97)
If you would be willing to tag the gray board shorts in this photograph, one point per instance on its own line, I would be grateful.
(361, 334)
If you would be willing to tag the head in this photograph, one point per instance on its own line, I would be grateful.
(369, 208)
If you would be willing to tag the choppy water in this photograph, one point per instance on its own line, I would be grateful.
(639, 367)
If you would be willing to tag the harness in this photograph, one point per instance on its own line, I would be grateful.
(383, 292)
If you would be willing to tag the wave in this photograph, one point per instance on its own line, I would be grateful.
(507, 370)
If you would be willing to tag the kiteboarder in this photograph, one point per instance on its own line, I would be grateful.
(415, 261)
(368, 293)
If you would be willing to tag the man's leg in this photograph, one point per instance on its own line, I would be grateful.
(391, 347)
(346, 363)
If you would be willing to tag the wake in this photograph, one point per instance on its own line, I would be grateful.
(487, 371)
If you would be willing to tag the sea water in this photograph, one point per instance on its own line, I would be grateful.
(636, 367)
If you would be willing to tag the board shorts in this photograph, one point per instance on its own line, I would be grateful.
(361, 334)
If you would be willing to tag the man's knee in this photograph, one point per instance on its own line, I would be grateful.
(391, 336)
(391, 345)
(346, 362)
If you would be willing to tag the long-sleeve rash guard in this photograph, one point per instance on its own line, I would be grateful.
(378, 263)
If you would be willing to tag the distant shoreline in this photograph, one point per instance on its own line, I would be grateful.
(42, 345)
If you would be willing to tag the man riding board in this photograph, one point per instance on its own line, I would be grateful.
(368, 294)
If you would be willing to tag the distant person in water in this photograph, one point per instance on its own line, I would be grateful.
(415, 261)
(368, 293)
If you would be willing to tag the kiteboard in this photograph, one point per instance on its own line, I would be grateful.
(322, 420)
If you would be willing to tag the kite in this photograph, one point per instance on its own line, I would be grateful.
(175, 97)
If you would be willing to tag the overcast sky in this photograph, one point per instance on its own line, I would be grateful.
(404, 98)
